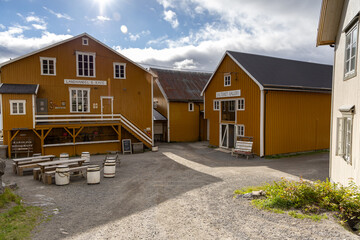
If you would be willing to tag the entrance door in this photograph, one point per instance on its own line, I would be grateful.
(231, 135)
(224, 136)
(106, 105)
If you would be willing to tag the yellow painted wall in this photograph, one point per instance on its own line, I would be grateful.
(249, 90)
(132, 96)
(17, 121)
(162, 102)
(184, 125)
(297, 121)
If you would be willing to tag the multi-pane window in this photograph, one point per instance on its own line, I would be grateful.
(350, 51)
(231, 106)
(240, 130)
(344, 137)
(241, 104)
(216, 105)
(85, 64)
(119, 70)
(79, 98)
(191, 107)
(48, 66)
(227, 80)
(17, 107)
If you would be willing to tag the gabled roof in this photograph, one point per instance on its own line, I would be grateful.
(68, 40)
(181, 86)
(330, 15)
(158, 116)
(7, 88)
(277, 73)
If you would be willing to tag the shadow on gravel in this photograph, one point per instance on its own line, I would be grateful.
(314, 166)
(141, 182)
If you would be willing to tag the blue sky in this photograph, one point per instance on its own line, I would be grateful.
(187, 34)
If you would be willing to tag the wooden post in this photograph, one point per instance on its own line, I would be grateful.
(9, 143)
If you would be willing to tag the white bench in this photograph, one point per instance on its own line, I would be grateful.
(243, 148)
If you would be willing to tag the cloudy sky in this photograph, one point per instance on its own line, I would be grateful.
(186, 34)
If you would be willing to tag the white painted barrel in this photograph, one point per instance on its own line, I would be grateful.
(86, 155)
(155, 148)
(93, 174)
(62, 175)
(64, 156)
(109, 168)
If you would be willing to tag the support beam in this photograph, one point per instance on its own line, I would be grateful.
(10, 138)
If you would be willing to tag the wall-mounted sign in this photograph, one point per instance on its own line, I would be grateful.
(85, 82)
(234, 93)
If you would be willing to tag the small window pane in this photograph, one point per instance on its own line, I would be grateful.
(14, 105)
(21, 108)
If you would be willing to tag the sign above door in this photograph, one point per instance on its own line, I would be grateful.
(85, 82)
(234, 93)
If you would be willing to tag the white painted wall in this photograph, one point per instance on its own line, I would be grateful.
(345, 92)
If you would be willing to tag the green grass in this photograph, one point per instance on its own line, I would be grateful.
(286, 155)
(16, 220)
(303, 199)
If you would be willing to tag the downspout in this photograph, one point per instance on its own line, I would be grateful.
(266, 92)
(331, 116)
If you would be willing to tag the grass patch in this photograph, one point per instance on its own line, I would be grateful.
(277, 156)
(248, 189)
(16, 220)
(303, 199)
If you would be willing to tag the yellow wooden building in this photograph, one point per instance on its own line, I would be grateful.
(76, 95)
(177, 98)
(283, 104)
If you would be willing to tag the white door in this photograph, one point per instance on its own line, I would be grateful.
(224, 135)
(107, 105)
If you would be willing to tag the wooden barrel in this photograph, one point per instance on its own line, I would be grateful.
(109, 168)
(62, 175)
(93, 174)
(86, 156)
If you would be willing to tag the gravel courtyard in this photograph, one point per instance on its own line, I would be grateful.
(184, 191)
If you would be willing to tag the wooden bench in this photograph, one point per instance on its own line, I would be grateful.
(21, 166)
(243, 147)
(50, 174)
(29, 160)
(37, 171)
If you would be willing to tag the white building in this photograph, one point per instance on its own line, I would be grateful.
(338, 27)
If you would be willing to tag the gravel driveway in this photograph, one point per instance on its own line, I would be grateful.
(184, 191)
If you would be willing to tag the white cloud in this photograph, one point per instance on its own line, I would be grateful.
(39, 26)
(14, 44)
(185, 64)
(134, 37)
(59, 15)
(34, 19)
(123, 29)
(170, 16)
(37, 22)
(2, 26)
(102, 18)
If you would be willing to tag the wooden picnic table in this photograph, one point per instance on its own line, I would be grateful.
(31, 161)
(42, 165)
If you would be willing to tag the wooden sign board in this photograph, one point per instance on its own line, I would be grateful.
(126, 146)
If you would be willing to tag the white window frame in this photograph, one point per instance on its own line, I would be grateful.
(18, 102)
(232, 106)
(227, 80)
(48, 65)
(344, 137)
(350, 34)
(85, 41)
(240, 130)
(120, 65)
(88, 54)
(216, 105)
(191, 106)
(77, 110)
(241, 106)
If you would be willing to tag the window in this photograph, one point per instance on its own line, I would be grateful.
(227, 80)
(191, 107)
(350, 51)
(85, 41)
(119, 70)
(79, 99)
(231, 106)
(17, 107)
(344, 137)
(241, 104)
(85, 66)
(48, 66)
(240, 130)
(216, 105)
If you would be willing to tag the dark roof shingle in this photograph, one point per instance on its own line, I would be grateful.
(182, 85)
(18, 88)
(273, 72)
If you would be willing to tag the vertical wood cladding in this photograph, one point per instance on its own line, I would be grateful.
(296, 121)
(249, 90)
